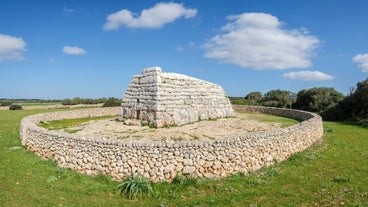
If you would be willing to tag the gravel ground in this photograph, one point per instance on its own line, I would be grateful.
(240, 124)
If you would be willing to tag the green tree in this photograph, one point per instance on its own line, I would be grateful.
(355, 106)
(66, 102)
(76, 101)
(254, 97)
(277, 98)
(112, 102)
(101, 100)
(5, 103)
(318, 99)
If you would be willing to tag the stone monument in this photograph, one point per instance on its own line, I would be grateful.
(167, 99)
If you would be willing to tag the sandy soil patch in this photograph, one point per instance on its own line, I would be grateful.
(240, 124)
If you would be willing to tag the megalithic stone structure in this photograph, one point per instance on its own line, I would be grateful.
(167, 99)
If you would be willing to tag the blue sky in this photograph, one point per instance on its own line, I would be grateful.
(91, 48)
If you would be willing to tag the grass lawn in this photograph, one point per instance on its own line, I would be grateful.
(70, 123)
(333, 172)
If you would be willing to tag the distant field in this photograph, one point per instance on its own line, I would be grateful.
(40, 104)
(31, 106)
(333, 172)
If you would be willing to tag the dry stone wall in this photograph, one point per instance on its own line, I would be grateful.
(173, 99)
(158, 160)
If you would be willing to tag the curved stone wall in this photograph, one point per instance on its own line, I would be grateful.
(158, 160)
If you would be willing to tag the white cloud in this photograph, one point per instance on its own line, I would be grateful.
(308, 76)
(73, 50)
(11, 48)
(257, 41)
(362, 60)
(152, 18)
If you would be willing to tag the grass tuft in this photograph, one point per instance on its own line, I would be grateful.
(133, 186)
(184, 180)
(341, 179)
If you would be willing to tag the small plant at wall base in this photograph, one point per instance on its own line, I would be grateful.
(15, 107)
(134, 185)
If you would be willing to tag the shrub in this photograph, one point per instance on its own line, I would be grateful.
(5, 103)
(15, 107)
(242, 101)
(76, 101)
(318, 100)
(255, 96)
(134, 185)
(66, 102)
(277, 98)
(355, 105)
(110, 102)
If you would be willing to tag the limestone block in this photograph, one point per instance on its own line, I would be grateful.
(169, 168)
(188, 162)
(188, 170)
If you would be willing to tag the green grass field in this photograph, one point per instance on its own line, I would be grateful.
(65, 124)
(333, 172)
(40, 104)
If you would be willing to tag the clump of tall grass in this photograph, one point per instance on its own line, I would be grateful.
(134, 185)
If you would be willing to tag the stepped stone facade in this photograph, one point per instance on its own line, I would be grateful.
(166, 99)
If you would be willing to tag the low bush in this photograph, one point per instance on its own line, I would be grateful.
(15, 107)
(67, 102)
(5, 103)
(242, 101)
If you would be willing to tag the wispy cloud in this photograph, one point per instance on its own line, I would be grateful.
(308, 76)
(152, 18)
(362, 60)
(69, 50)
(11, 48)
(68, 11)
(180, 48)
(258, 41)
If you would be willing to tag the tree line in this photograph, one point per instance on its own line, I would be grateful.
(329, 103)
(15, 103)
(107, 102)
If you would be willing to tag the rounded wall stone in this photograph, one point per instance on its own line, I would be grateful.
(163, 160)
